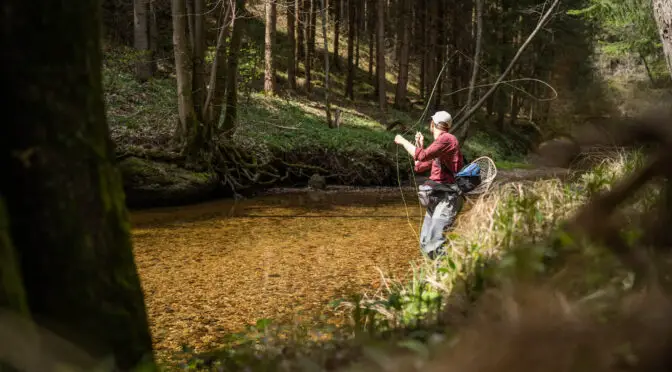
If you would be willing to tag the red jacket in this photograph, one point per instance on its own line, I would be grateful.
(445, 149)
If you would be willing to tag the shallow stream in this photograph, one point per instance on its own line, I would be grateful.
(211, 269)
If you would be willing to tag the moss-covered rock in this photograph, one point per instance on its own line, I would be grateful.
(150, 183)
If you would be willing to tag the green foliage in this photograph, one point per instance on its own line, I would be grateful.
(135, 106)
(496, 146)
(627, 26)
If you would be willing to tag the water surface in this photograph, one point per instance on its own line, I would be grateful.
(210, 269)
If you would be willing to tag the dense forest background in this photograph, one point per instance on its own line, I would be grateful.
(266, 90)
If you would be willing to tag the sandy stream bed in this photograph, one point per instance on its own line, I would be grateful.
(208, 270)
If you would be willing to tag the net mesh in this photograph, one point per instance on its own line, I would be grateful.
(488, 174)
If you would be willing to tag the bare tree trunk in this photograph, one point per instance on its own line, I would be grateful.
(183, 70)
(359, 12)
(291, 30)
(308, 60)
(269, 65)
(402, 83)
(153, 33)
(423, 48)
(326, 62)
(217, 84)
(313, 27)
(432, 57)
(349, 84)
(337, 32)
(141, 40)
(198, 58)
(380, 68)
(475, 65)
(662, 11)
(441, 50)
(371, 20)
(231, 113)
(300, 31)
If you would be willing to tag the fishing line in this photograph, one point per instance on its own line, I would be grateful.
(429, 100)
(410, 160)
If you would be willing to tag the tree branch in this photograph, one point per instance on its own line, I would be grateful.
(501, 78)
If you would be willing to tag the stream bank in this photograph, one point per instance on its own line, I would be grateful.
(161, 183)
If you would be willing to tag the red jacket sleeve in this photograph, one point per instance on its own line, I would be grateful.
(437, 147)
(422, 166)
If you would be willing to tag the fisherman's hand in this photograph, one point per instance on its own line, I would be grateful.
(399, 139)
(419, 140)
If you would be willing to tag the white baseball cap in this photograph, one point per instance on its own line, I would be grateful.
(441, 117)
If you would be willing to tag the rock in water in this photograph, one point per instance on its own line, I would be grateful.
(317, 182)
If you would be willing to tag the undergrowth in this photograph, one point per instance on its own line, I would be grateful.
(286, 132)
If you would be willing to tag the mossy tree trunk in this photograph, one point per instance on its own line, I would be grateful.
(69, 223)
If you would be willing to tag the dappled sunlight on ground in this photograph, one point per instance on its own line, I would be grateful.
(210, 269)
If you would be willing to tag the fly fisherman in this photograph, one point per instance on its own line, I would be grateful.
(438, 194)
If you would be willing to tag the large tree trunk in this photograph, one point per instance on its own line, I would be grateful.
(380, 68)
(188, 123)
(65, 201)
(269, 65)
(291, 31)
(144, 68)
(402, 83)
(349, 84)
(231, 114)
(662, 11)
